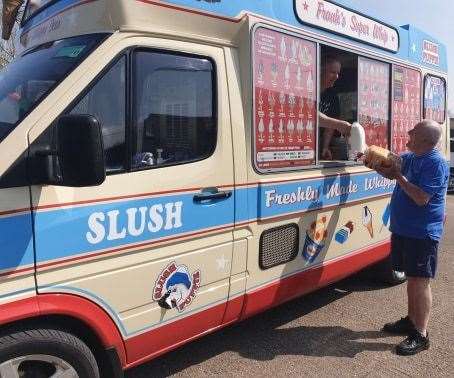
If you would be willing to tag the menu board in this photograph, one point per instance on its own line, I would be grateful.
(434, 98)
(373, 100)
(406, 105)
(285, 106)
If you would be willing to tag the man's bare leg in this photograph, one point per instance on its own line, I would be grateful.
(419, 302)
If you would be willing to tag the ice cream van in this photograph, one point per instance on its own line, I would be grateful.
(161, 173)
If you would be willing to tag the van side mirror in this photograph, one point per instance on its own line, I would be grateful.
(80, 150)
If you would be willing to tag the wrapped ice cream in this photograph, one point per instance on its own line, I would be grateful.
(315, 239)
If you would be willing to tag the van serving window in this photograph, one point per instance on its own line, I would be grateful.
(434, 98)
(406, 107)
(373, 100)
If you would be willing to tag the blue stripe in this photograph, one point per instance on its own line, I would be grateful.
(16, 241)
(65, 233)
(283, 11)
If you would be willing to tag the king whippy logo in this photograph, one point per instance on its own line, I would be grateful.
(176, 287)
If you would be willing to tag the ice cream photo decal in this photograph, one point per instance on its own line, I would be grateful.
(315, 239)
(343, 233)
(367, 221)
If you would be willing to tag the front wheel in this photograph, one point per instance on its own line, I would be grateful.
(44, 353)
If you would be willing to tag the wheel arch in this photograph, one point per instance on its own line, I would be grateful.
(78, 315)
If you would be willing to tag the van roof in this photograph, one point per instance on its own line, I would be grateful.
(221, 19)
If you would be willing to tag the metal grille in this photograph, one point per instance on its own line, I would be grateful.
(278, 245)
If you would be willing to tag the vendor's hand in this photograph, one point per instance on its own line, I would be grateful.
(326, 154)
(345, 128)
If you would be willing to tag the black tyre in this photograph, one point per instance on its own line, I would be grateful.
(43, 353)
(385, 273)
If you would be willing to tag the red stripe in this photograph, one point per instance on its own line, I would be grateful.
(167, 337)
(135, 246)
(312, 279)
(152, 194)
(201, 13)
(17, 271)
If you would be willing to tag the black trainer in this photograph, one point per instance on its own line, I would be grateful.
(413, 344)
(404, 326)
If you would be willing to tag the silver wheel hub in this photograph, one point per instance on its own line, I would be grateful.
(40, 365)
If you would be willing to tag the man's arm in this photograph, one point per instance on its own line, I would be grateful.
(335, 124)
(419, 196)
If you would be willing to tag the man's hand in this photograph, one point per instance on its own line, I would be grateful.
(326, 154)
(344, 128)
(391, 172)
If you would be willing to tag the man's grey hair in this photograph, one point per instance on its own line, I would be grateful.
(432, 131)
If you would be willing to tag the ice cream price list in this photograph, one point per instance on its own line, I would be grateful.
(406, 105)
(285, 100)
(373, 108)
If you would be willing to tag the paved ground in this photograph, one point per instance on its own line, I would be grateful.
(332, 332)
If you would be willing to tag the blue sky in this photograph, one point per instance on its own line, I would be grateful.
(435, 17)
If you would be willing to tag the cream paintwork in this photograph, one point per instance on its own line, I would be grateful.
(122, 282)
(125, 282)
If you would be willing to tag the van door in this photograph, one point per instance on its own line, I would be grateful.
(152, 245)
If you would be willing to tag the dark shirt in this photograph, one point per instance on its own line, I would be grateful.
(430, 173)
(330, 106)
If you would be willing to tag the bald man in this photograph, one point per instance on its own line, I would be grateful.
(417, 215)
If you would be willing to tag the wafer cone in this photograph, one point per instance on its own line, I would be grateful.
(370, 228)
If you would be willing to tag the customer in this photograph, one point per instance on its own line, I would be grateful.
(417, 214)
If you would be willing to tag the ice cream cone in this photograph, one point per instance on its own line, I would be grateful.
(370, 228)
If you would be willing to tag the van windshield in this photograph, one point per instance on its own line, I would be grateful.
(26, 81)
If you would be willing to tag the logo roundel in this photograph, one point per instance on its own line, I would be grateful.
(176, 287)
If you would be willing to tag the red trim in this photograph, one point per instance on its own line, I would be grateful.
(135, 246)
(70, 305)
(170, 336)
(152, 194)
(310, 280)
(8, 212)
(165, 338)
(183, 9)
(15, 272)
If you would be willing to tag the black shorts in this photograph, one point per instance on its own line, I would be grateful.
(415, 257)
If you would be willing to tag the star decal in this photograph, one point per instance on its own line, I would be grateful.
(306, 6)
(413, 47)
(221, 263)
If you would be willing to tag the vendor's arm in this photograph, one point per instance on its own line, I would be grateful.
(344, 127)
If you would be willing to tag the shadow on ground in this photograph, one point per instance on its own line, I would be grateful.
(261, 338)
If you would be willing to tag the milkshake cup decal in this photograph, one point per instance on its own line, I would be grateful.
(343, 233)
(315, 240)
(367, 221)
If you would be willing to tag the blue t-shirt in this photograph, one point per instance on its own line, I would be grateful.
(430, 172)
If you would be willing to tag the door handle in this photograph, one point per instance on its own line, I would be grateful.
(211, 194)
